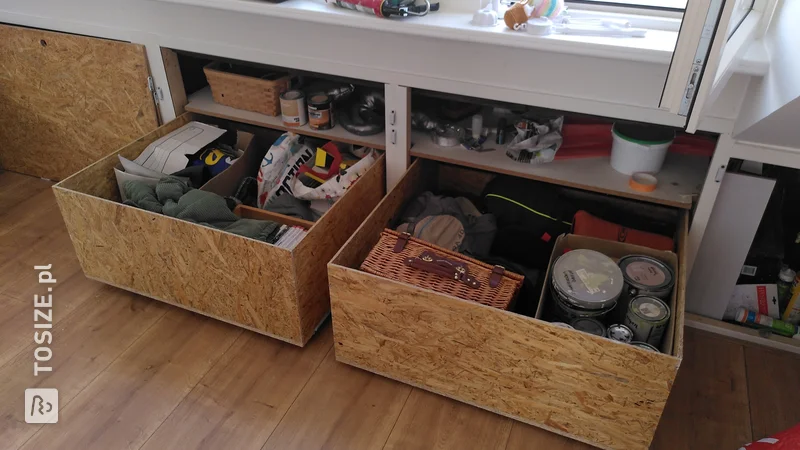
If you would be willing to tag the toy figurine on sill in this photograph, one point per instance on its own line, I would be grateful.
(517, 17)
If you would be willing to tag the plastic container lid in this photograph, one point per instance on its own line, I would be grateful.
(587, 279)
(787, 275)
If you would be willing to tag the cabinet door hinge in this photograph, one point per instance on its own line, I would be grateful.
(158, 94)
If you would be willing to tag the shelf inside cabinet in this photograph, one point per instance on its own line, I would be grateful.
(201, 102)
(679, 181)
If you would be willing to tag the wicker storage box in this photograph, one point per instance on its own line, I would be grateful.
(247, 88)
(400, 257)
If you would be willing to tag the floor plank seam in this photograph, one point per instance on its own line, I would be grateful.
(199, 380)
(397, 419)
(289, 408)
(63, 406)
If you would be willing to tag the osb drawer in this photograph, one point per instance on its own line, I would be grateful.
(588, 388)
(270, 290)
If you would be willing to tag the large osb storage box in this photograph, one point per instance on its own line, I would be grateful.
(270, 290)
(579, 385)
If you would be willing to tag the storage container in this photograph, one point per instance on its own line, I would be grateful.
(247, 88)
(589, 388)
(249, 283)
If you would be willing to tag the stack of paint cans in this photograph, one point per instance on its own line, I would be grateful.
(625, 302)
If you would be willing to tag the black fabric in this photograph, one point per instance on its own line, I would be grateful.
(528, 299)
(523, 235)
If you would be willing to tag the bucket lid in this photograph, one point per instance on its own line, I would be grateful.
(646, 273)
(651, 309)
(587, 279)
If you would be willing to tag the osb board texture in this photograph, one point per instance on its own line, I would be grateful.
(683, 235)
(325, 238)
(237, 279)
(67, 100)
(98, 179)
(411, 184)
(599, 392)
(596, 391)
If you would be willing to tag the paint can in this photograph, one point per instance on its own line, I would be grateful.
(562, 325)
(585, 284)
(648, 317)
(320, 112)
(645, 346)
(293, 108)
(643, 275)
(591, 326)
(620, 333)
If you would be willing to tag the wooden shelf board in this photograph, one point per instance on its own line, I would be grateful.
(679, 181)
(201, 102)
(742, 333)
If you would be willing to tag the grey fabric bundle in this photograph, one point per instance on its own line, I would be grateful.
(173, 197)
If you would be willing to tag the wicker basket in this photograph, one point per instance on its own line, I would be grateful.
(400, 257)
(246, 88)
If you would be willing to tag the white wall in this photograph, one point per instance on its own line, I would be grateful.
(773, 103)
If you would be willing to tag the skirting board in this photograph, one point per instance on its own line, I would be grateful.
(742, 333)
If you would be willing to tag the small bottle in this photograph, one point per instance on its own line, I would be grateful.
(785, 280)
(501, 131)
(477, 126)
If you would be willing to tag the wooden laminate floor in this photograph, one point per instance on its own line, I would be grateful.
(134, 373)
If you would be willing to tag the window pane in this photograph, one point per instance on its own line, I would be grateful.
(740, 11)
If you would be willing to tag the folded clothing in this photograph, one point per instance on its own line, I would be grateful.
(452, 223)
(291, 206)
(174, 198)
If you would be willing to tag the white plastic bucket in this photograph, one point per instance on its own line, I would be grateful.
(639, 148)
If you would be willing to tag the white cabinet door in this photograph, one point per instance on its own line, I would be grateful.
(712, 36)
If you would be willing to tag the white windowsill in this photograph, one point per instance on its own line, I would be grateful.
(656, 47)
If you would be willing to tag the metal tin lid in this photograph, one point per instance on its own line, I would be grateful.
(650, 309)
(562, 325)
(619, 333)
(587, 279)
(645, 346)
(320, 99)
(647, 274)
(590, 326)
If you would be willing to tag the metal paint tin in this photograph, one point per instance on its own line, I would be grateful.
(562, 325)
(293, 108)
(320, 112)
(648, 317)
(645, 346)
(646, 276)
(585, 283)
(620, 333)
(590, 326)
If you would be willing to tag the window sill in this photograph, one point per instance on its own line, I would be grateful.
(656, 47)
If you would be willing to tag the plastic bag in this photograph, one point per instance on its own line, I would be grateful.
(536, 143)
(279, 166)
(325, 195)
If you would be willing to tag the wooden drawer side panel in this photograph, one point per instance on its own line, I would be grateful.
(593, 390)
(326, 237)
(227, 276)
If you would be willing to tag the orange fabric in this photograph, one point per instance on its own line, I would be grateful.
(585, 224)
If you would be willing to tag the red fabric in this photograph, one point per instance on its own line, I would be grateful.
(786, 440)
(593, 140)
(585, 224)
